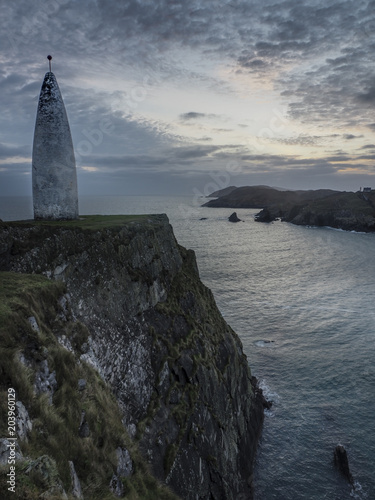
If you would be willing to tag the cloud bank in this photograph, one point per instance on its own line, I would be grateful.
(173, 90)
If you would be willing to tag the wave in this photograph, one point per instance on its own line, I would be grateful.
(264, 343)
(357, 492)
(313, 307)
(270, 395)
(337, 229)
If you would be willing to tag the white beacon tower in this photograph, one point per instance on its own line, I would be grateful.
(54, 174)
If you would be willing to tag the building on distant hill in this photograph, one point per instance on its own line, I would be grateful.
(366, 189)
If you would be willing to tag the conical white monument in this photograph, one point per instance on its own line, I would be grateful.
(54, 175)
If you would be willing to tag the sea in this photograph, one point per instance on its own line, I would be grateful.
(302, 300)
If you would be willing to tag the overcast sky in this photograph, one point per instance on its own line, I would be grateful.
(173, 96)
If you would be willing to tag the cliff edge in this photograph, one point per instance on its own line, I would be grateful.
(127, 304)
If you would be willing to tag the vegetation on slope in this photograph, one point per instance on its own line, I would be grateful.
(263, 196)
(55, 430)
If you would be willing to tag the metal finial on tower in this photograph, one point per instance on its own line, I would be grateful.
(49, 61)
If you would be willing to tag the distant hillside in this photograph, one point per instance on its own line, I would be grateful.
(343, 210)
(264, 196)
(222, 192)
(323, 207)
(230, 189)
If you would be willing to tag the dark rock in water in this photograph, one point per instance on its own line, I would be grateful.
(203, 218)
(259, 394)
(340, 458)
(267, 405)
(234, 218)
(264, 216)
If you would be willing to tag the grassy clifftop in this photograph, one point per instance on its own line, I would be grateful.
(91, 222)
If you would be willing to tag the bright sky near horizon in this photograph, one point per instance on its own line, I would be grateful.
(167, 96)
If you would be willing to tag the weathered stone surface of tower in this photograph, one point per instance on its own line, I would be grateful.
(54, 175)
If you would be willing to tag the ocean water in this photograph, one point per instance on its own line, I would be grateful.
(302, 301)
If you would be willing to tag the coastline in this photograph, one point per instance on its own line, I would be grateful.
(342, 210)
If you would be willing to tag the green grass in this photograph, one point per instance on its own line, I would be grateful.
(17, 291)
(55, 427)
(92, 222)
(95, 222)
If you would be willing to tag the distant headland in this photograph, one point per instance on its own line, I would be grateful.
(352, 211)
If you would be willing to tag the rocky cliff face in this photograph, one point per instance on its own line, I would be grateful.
(348, 211)
(321, 207)
(156, 337)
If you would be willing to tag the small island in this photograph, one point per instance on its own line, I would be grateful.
(351, 211)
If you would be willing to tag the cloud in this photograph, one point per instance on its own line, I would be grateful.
(332, 164)
(253, 64)
(8, 151)
(368, 96)
(311, 140)
(193, 116)
(301, 140)
(349, 137)
(367, 157)
(173, 158)
(114, 59)
(192, 152)
(205, 139)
